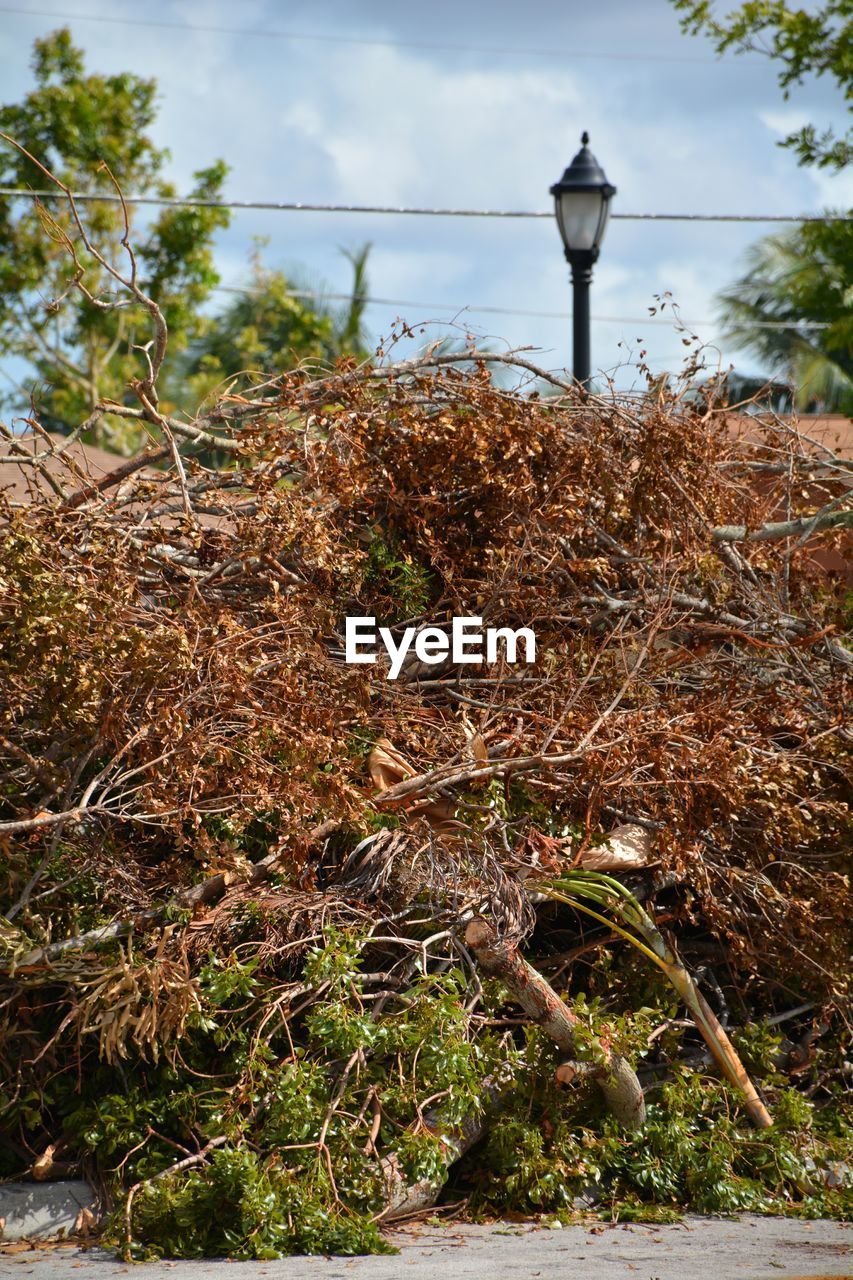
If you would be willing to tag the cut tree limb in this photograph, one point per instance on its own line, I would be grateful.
(405, 1197)
(615, 1078)
(803, 525)
(722, 1049)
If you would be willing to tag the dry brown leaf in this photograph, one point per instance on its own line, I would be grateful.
(85, 1222)
(436, 812)
(627, 848)
(387, 767)
(145, 1004)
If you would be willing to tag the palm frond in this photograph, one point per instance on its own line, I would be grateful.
(791, 307)
(621, 911)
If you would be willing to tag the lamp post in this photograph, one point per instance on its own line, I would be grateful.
(582, 203)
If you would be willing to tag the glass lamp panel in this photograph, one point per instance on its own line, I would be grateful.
(605, 218)
(579, 214)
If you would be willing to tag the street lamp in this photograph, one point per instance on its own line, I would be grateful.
(582, 201)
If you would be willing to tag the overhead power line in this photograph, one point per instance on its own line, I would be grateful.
(673, 321)
(369, 42)
(299, 206)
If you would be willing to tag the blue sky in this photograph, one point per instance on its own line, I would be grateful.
(373, 111)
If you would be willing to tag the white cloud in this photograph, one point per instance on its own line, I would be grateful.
(407, 273)
(829, 189)
(833, 190)
(401, 129)
(783, 122)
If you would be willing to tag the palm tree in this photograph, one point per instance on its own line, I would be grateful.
(352, 335)
(793, 308)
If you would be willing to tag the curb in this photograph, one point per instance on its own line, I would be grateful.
(41, 1209)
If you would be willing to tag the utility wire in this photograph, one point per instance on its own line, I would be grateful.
(328, 38)
(424, 212)
(673, 321)
(470, 213)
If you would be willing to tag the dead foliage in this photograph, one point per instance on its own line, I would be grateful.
(175, 710)
(180, 689)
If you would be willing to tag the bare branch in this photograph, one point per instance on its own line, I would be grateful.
(802, 526)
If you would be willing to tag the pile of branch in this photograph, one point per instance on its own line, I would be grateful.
(179, 726)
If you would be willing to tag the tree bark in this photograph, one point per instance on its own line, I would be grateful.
(802, 526)
(615, 1078)
(405, 1197)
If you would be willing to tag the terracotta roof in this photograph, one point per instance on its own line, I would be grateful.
(84, 462)
(79, 464)
(832, 430)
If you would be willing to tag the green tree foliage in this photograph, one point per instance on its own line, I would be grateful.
(796, 280)
(815, 42)
(93, 131)
(272, 326)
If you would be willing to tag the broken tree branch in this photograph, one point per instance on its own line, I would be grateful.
(616, 1079)
(803, 525)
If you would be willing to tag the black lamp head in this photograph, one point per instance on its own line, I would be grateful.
(582, 199)
(584, 174)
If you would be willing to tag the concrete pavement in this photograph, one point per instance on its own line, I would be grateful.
(747, 1248)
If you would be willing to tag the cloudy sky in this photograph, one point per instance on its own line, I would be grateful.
(476, 105)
